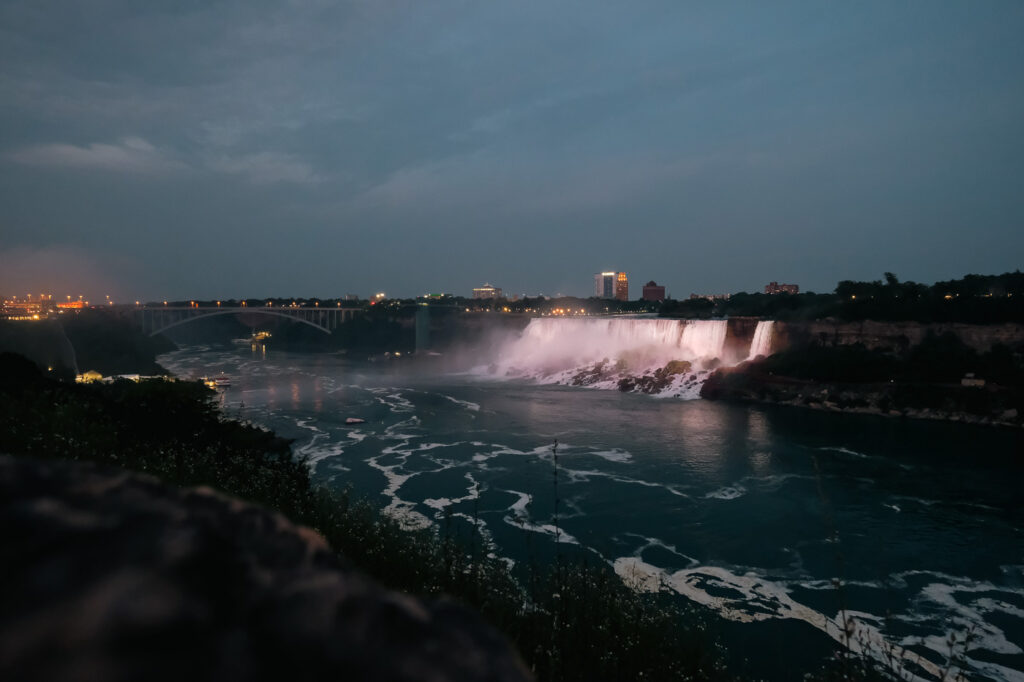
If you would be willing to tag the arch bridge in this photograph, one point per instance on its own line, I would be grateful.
(156, 320)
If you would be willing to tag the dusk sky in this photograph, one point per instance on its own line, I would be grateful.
(314, 148)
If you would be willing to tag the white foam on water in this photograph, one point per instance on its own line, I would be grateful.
(946, 606)
(393, 399)
(420, 448)
(315, 454)
(761, 483)
(473, 407)
(520, 518)
(390, 432)
(473, 491)
(613, 455)
(753, 598)
(995, 671)
(970, 616)
(584, 475)
(539, 451)
(401, 510)
(845, 451)
(727, 493)
(657, 542)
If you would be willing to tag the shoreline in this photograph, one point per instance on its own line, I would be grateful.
(937, 402)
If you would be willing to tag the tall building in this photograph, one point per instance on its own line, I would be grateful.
(621, 287)
(487, 291)
(604, 285)
(776, 288)
(653, 292)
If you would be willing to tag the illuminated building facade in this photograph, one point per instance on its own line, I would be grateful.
(604, 285)
(621, 287)
(653, 292)
(487, 291)
(776, 288)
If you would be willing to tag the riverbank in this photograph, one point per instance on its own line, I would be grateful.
(987, 405)
(569, 620)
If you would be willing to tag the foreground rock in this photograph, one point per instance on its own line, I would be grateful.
(109, 575)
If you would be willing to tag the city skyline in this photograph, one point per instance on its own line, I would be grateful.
(228, 150)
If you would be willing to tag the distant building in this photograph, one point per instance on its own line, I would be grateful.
(776, 288)
(604, 285)
(710, 297)
(351, 297)
(487, 291)
(653, 292)
(621, 287)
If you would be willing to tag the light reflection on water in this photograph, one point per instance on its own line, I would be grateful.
(733, 489)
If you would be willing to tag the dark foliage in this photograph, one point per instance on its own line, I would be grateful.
(937, 359)
(570, 622)
(975, 299)
(110, 344)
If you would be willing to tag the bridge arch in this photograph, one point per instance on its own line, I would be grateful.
(204, 314)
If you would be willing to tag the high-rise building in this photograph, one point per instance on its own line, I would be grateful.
(653, 292)
(487, 291)
(604, 284)
(621, 286)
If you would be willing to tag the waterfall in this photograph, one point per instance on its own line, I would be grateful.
(666, 356)
(762, 343)
(554, 344)
(704, 338)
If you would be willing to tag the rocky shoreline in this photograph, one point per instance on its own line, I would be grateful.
(986, 405)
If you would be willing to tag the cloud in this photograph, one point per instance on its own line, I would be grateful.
(130, 154)
(501, 179)
(265, 168)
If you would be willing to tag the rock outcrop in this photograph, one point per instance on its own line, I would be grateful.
(109, 575)
(988, 405)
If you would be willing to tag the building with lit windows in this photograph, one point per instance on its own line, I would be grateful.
(487, 291)
(776, 288)
(604, 285)
(621, 287)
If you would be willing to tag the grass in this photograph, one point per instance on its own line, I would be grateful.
(571, 621)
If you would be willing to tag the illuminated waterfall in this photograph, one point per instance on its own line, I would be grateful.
(605, 352)
(762, 343)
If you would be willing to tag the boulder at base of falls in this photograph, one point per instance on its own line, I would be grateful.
(109, 575)
(657, 381)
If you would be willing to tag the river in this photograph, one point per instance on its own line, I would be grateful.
(752, 512)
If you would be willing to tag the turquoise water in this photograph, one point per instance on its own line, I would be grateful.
(749, 512)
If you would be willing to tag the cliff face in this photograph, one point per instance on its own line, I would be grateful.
(116, 576)
(988, 405)
(893, 335)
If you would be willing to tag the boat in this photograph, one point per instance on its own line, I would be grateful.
(222, 381)
(355, 420)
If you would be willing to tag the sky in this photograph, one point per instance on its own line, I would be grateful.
(221, 149)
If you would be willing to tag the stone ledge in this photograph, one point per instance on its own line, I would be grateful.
(110, 575)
